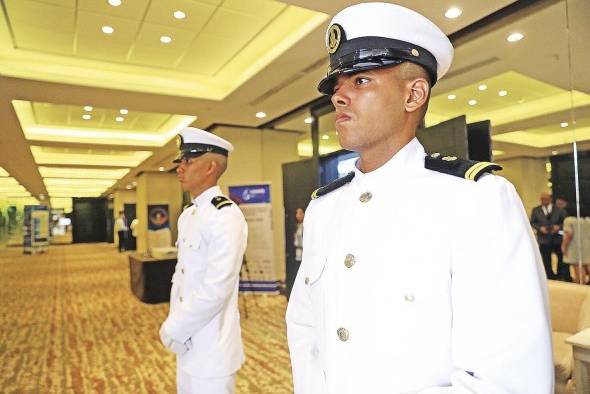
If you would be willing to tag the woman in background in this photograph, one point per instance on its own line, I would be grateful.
(577, 231)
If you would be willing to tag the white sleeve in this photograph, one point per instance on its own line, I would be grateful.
(301, 330)
(226, 248)
(501, 330)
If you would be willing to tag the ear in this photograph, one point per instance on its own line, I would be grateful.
(212, 167)
(419, 90)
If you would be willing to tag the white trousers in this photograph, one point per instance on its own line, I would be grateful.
(188, 384)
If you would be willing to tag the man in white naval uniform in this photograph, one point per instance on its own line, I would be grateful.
(203, 325)
(420, 273)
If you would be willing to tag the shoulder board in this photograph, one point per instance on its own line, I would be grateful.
(330, 187)
(468, 169)
(187, 206)
(221, 201)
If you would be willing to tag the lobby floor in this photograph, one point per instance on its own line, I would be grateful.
(70, 324)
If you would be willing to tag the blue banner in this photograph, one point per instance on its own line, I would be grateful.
(251, 194)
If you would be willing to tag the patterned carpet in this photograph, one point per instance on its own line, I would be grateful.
(69, 324)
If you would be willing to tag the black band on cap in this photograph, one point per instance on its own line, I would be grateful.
(365, 53)
(194, 150)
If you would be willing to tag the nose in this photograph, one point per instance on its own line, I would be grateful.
(340, 98)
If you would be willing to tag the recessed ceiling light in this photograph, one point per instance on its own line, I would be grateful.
(453, 12)
(134, 183)
(308, 120)
(564, 124)
(165, 39)
(482, 87)
(515, 37)
(502, 93)
(452, 96)
(123, 111)
(161, 169)
(554, 152)
(325, 137)
(128, 187)
(86, 117)
(179, 14)
(472, 102)
(119, 118)
(88, 108)
(115, 3)
(107, 30)
(260, 115)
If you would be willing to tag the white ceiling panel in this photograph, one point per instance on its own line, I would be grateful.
(129, 9)
(197, 13)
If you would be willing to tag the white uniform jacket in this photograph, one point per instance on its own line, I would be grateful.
(432, 285)
(204, 297)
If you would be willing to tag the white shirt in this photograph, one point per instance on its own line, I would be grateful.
(434, 285)
(120, 225)
(547, 209)
(204, 297)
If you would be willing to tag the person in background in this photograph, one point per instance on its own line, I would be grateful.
(134, 230)
(203, 325)
(561, 202)
(122, 231)
(293, 268)
(420, 273)
(547, 220)
(576, 245)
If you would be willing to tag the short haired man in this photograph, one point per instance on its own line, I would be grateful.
(122, 231)
(547, 220)
(203, 325)
(420, 273)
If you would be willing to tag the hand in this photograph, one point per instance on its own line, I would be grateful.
(172, 345)
(543, 230)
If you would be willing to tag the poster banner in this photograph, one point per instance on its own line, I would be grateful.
(159, 234)
(258, 272)
(36, 229)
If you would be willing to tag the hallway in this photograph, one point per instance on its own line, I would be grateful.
(69, 324)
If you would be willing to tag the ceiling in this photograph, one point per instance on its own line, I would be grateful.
(228, 59)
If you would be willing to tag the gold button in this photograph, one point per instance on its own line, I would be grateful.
(343, 334)
(306, 280)
(349, 260)
(366, 197)
(180, 299)
(409, 297)
(449, 158)
(415, 52)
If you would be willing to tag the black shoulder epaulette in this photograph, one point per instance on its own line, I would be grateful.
(468, 169)
(330, 187)
(187, 206)
(221, 201)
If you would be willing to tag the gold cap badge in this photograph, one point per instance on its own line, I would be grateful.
(334, 38)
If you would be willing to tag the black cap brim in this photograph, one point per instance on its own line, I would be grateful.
(366, 53)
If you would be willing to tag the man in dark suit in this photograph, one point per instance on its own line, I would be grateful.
(547, 220)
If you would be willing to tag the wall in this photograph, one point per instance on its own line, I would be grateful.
(529, 176)
(157, 188)
(257, 157)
